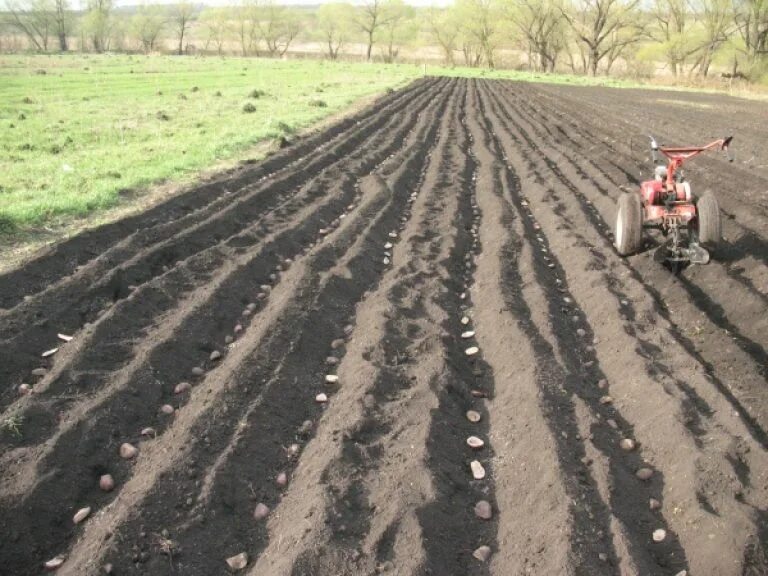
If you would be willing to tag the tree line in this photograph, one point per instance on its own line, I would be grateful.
(582, 36)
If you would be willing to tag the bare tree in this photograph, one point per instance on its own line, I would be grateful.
(594, 22)
(369, 20)
(216, 26)
(481, 22)
(541, 24)
(717, 21)
(671, 20)
(752, 21)
(278, 27)
(97, 23)
(394, 27)
(62, 18)
(245, 22)
(34, 20)
(444, 30)
(146, 25)
(181, 17)
(333, 21)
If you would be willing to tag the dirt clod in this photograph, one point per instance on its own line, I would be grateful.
(81, 515)
(473, 416)
(237, 562)
(483, 510)
(106, 483)
(54, 563)
(475, 443)
(644, 473)
(478, 471)
(483, 553)
(261, 511)
(627, 444)
(182, 387)
(128, 451)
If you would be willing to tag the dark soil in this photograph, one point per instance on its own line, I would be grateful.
(448, 215)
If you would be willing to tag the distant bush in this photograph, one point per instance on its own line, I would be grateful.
(256, 93)
(249, 108)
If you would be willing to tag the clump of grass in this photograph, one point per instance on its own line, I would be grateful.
(7, 226)
(256, 93)
(162, 116)
(195, 89)
(287, 128)
(41, 72)
(317, 103)
(182, 96)
(12, 425)
(249, 108)
(27, 100)
(218, 93)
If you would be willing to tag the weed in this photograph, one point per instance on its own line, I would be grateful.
(12, 424)
(287, 128)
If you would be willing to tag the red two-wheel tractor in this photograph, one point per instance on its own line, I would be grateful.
(666, 203)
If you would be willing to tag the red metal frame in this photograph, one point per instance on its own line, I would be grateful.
(682, 210)
(679, 155)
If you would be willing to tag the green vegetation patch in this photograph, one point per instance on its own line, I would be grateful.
(76, 138)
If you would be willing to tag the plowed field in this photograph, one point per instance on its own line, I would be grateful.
(446, 250)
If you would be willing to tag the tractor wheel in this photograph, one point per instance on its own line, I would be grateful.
(629, 224)
(708, 217)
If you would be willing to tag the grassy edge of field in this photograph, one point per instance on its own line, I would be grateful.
(23, 245)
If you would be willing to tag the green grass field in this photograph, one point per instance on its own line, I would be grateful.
(77, 130)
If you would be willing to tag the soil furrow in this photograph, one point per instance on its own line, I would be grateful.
(403, 345)
(90, 296)
(21, 360)
(267, 428)
(723, 445)
(747, 393)
(204, 331)
(575, 378)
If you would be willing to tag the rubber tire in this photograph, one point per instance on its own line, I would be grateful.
(708, 216)
(629, 225)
